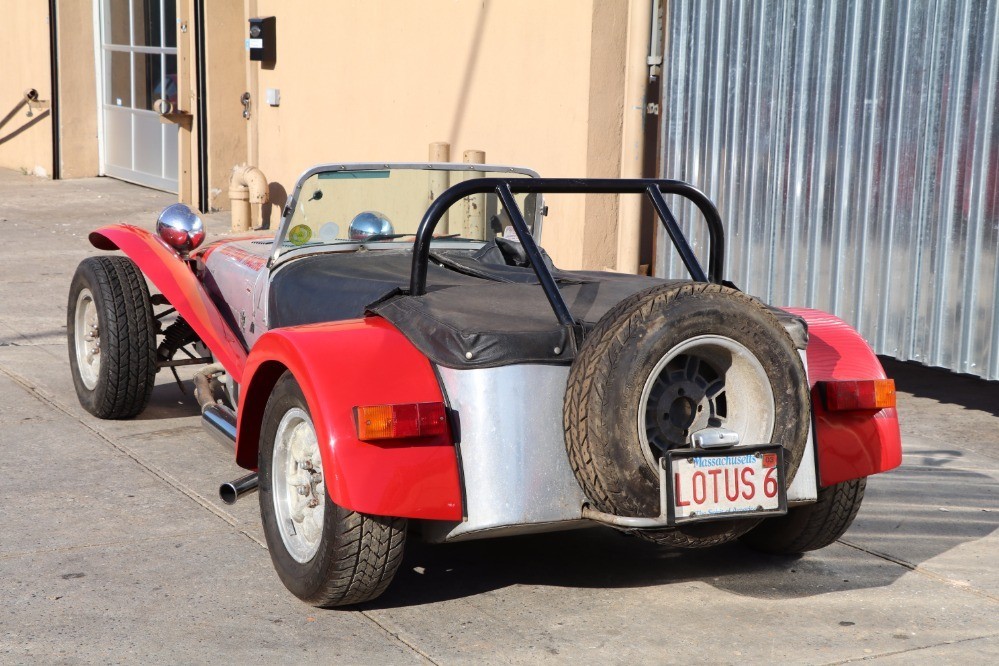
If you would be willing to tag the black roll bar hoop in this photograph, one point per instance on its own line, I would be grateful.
(505, 188)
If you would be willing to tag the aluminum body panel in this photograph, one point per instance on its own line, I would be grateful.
(236, 277)
(853, 150)
(515, 470)
(805, 485)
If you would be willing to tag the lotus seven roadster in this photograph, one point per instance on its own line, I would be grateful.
(402, 357)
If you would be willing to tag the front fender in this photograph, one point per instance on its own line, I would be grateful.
(852, 444)
(339, 366)
(175, 280)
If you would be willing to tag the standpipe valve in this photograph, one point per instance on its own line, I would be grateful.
(247, 185)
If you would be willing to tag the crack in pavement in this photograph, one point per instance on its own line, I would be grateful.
(871, 657)
(46, 347)
(399, 638)
(103, 544)
(956, 584)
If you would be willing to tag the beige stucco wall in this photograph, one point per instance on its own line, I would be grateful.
(77, 90)
(25, 142)
(538, 84)
(224, 67)
(603, 138)
(381, 80)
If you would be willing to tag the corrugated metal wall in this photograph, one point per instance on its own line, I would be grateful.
(853, 150)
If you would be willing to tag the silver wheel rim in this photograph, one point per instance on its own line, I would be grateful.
(297, 485)
(708, 380)
(87, 335)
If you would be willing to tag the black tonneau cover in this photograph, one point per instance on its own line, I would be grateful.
(478, 311)
(502, 324)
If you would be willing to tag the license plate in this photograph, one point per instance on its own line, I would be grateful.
(732, 483)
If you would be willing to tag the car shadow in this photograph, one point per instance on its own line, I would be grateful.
(270, 212)
(168, 401)
(910, 515)
(944, 386)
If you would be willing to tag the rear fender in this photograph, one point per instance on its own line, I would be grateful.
(852, 444)
(177, 282)
(339, 366)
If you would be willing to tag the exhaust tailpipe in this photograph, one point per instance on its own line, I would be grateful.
(233, 490)
(220, 422)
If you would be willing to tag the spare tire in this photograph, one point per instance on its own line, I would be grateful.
(666, 362)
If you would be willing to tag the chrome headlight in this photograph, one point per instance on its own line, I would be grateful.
(180, 228)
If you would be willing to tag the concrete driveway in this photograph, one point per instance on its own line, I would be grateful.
(114, 546)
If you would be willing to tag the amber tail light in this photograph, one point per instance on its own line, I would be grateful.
(400, 421)
(855, 394)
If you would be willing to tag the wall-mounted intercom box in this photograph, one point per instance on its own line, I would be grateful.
(262, 42)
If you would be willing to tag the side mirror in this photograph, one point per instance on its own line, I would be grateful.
(180, 228)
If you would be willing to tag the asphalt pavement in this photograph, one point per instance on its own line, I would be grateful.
(114, 546)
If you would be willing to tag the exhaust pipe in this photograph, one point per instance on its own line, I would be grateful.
(216, 418)
(220, 422)
(233, 490)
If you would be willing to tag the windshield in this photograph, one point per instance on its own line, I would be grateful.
(380, 205)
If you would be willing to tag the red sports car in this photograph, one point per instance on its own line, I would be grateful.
(402, 349)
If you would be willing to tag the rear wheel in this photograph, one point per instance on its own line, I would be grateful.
(812, 526)
(324, 554)
(112, 338)
(663, 364)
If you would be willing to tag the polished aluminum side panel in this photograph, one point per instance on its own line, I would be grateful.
(236, 278)
(853, 150)
(804, 487)
(515, 470)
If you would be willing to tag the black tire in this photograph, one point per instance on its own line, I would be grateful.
(811, 526)
(358, 554)
(126, 341)
(601, 412)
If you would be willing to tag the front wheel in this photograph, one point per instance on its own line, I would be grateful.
(812, 526)
(112, 338)
(324, 554)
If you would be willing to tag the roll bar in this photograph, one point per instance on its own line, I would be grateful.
(505, 188)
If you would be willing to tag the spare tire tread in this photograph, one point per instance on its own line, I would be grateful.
(586, 399)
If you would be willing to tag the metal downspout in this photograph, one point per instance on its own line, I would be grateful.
(201, 113)
(54, 73)
(633, 131)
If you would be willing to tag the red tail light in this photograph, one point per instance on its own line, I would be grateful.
(400, 421)
(841, 396)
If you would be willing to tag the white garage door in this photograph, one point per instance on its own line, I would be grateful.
(138, 41)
